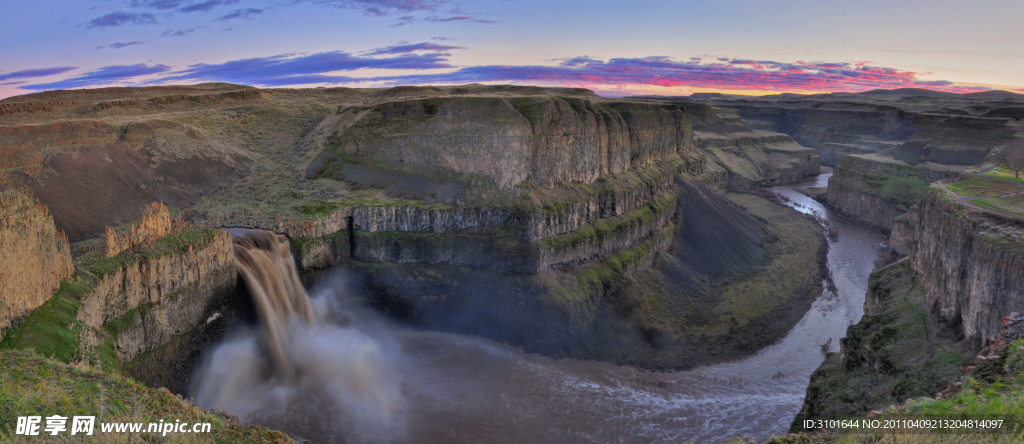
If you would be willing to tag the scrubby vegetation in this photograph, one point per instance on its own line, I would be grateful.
(894, 353)
(52, 329)
(193, 238)
(32, 384)
(974, 186)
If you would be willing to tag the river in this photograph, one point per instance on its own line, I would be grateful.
(466, 389)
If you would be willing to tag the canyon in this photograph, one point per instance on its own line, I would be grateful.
(634, 231)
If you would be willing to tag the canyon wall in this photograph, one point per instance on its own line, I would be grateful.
(551, 140)
(913, 125)
(971, 279)
(523, 214)
(756, 159)
(154, 223)
(35, 256)
(927, 315)
(145, 298)
(897, 351)
(875, 190)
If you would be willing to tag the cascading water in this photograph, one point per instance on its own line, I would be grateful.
(266, 265)
(316, 368)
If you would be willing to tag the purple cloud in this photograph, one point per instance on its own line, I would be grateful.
(13, 83)
(39, 72)
(241, 14)
(119, 18)
(301, 70)
(460, 18)
(119, 45)
(384, 7)
(206, 6)
(101, 76)
(157, 4)
(178, 33)
(404, 20)
(410, 48)
(737, 75)
(577, 61)
(323, 68)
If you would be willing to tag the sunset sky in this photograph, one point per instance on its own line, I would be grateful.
(613, 47)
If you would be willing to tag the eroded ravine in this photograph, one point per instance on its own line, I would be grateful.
(458, 388)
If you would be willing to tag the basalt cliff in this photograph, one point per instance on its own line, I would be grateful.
(35, 256)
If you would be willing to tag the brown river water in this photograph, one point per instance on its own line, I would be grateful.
(355, 377)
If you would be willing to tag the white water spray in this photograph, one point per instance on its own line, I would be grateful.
(310, 366)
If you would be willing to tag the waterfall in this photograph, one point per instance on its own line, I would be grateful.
(266, 264)
(323, 368)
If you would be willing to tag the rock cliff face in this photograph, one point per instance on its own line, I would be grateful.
(913, 125)
(35, 257)
(926, 315)
(741, 157)
(550, 140)
(952, 139)
(152, 298)
(875, 190)
(154, 224)
(970, 280)
(755, 159)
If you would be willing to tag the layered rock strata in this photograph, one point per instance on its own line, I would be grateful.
(35, 256)
(549, 140)
(875, 190)
(970, 280)
(154, 223)
(154, 297)
(753, 159)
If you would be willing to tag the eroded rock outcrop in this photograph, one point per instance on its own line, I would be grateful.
(549, 140)
(875, 190)
(34, 257)
(970, 280)
(753, 159)
(153, 295)
(154, 223)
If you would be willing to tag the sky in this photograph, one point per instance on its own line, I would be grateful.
(613, 47)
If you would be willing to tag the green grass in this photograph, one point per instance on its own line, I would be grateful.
(115, 326)
(31, 384)
(974, 186)
(99, 265)
(319, 208)
(1004, 173)
(52, 329)
(1010, 205)
(990, 391)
